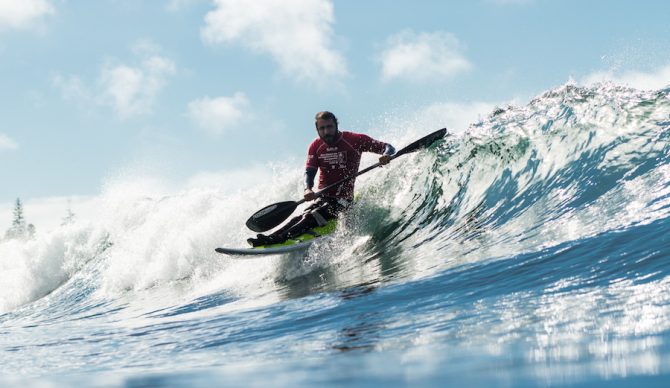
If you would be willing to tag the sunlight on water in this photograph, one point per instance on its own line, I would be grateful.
(530, 249)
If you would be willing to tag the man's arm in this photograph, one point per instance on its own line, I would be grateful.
(368, 144)
(310, 173)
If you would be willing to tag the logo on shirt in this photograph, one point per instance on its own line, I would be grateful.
(333, 159)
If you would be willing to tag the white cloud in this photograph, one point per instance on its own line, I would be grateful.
(657, 79)
(295, 33)
(215, 115)
(423, 57)
(130, 89)
(23, 13)
(6, 143)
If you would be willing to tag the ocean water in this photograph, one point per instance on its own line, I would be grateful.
(531, 249)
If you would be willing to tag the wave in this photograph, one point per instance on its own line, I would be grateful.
(574, 163)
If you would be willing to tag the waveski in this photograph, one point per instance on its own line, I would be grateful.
(296, 244)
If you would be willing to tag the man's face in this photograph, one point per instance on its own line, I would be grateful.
(327, 130)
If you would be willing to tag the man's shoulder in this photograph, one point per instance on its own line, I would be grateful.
(354, 137)
(350, 133)
(315, 144)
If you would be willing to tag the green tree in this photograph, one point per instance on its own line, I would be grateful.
(19, 228)
(69, 218)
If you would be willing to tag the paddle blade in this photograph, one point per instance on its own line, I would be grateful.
(424, 142)
(271, 216)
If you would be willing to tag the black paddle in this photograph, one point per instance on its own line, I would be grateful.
(273, 215)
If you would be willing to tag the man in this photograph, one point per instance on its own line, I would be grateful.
(336, 155)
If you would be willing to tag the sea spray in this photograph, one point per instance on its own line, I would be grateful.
(537, 240)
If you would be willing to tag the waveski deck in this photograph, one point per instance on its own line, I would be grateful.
(302, 242)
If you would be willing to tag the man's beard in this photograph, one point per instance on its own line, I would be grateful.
(330, 139)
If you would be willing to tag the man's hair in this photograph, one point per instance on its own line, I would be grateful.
(325, 115)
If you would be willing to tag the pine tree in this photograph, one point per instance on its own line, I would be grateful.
(19, 220)
(69, 218)
(18, 228)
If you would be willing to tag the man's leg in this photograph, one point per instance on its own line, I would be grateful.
(276, 237)
(317, 214)
(280, 235)
(323, 211)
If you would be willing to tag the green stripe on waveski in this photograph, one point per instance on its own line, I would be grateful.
(315, 232)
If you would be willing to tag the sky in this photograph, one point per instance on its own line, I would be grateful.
(184, 90)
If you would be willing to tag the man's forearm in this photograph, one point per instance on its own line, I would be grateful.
(310, 173)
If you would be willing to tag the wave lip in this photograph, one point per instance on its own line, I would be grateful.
(573, 163)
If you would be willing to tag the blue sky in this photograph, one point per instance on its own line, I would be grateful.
(184, 87)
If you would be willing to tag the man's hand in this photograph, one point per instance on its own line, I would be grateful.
(309, 195)
(384, 159)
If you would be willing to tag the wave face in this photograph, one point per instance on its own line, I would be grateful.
(531, 249)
